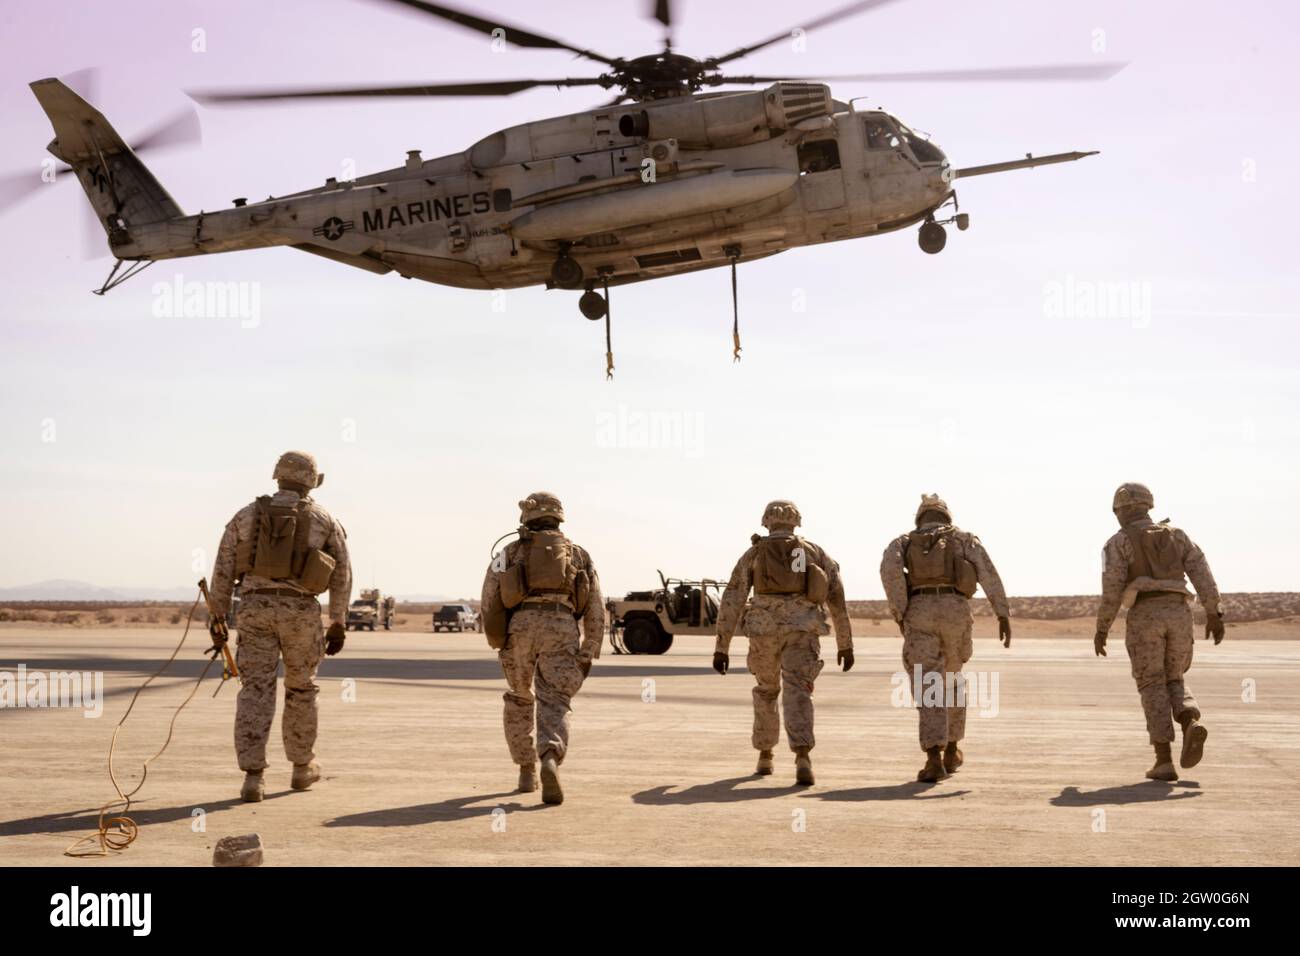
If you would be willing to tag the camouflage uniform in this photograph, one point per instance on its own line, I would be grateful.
(1158, 631)
(542, 651)
(784, 632)
(275, 625)
(937, 628)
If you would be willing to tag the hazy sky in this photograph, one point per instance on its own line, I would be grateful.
(131, 438)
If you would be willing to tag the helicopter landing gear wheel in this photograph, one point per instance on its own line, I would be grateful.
(592, 305)
(566, 272)
(932, 238)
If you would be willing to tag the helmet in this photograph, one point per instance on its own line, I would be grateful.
(540, 504)
(932, 503)
(1132, 494)
(781, 512)
(300, 467)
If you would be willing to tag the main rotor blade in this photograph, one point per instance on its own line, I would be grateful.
(839, 14)
(515, 35)
(181, 130)
(473, 88)
(1059, 72)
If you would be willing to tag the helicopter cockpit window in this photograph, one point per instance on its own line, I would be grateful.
(819, 156)
(880, 134)
(924, 150)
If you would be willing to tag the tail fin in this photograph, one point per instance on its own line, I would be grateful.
(118, 185)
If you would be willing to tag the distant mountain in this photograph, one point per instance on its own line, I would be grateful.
(65, 590)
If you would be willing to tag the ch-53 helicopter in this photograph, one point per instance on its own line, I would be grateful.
(665, 178)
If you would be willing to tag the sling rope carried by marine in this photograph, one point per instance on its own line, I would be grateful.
(118, 831)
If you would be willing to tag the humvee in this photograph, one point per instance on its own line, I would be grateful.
(371, 609)
(645, 622)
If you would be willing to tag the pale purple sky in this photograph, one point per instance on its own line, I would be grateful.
(433, 414)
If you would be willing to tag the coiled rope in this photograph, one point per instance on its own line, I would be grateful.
(117, 830)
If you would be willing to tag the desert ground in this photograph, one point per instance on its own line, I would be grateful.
(660, 768)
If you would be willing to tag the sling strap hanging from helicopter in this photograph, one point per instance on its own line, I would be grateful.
(609, 346)
(116, 830)
(733, 253)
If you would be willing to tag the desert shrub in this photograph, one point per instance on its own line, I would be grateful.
(176, 617)
(67, 617)
(151, 617)
(134, 618)
(104, 616)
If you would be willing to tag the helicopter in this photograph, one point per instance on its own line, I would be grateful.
(670, 176)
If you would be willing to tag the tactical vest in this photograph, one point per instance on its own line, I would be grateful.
(279, 551)
(932, 561)
(545, 568)
(1156, 553)
(785, 566)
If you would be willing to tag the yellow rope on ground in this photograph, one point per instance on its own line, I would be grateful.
(119, 831)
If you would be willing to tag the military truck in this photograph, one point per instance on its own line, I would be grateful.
(371, 609)
(645, 622)
(455, 617)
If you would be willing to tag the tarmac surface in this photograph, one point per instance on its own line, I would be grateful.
(660, 766)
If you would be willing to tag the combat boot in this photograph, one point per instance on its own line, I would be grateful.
(803, 774)
(254, 788)
(527, 778)
(551, 792)
(1194, 734)
(304, 775)
(1164, 765)
(933, 770)
(952, 757)
(764, 767)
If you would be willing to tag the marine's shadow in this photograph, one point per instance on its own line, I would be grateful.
(1149, 791)
(719, 791)
(899, 791)
(446, 811)
(88, 819)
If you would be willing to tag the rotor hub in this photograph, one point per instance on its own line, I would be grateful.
(659, 75)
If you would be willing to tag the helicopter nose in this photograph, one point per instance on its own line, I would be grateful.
(941, 178)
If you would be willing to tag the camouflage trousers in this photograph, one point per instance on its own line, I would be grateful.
(937, 641)
(541, 654)
(271, 627)
(1158, 637)
(789, 663)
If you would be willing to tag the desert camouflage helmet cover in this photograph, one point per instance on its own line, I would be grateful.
(540, 504)
(300, 467)
(932, 503)
(781, 512)
(1132, 494)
